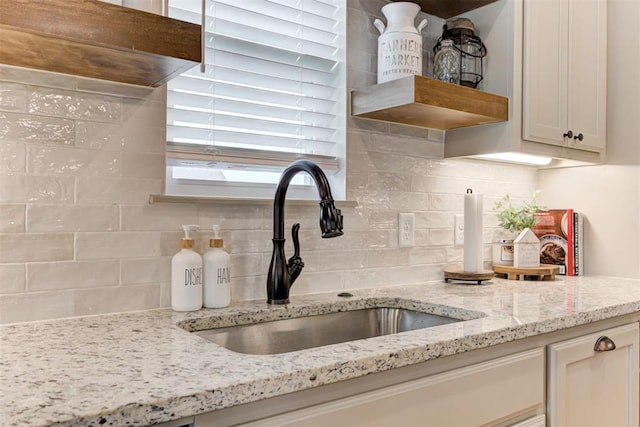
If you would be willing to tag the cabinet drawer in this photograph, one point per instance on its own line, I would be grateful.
(488, 392)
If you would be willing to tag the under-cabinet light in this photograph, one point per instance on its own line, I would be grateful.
(511, 157)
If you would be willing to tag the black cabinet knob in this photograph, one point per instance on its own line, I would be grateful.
(568, 135)
(578, 137)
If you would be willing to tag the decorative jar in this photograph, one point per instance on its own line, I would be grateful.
(446, 63)
(400, 43)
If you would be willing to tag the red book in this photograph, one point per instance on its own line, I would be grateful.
(554, 228)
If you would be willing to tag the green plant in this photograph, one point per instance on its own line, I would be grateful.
(516, 218)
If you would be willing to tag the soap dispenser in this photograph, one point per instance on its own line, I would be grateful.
(186, 275)
(217, 274)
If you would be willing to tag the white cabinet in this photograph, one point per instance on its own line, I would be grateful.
(502, 391)
(594, 388)
(502, 28)
(564, 73)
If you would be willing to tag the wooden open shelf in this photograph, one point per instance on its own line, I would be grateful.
(449, 8)
(95, 39)
(425, 102)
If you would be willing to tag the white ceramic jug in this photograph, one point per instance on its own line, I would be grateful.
(400, 45)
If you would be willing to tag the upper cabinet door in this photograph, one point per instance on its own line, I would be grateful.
(564, 73)
(587, 85)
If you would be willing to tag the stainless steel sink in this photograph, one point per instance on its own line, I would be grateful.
(282, 336)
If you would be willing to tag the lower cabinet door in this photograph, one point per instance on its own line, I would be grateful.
(501, 391)
(595, 385)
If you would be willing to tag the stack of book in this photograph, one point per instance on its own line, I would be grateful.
(561, 234)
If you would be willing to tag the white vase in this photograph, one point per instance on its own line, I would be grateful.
(400, 43)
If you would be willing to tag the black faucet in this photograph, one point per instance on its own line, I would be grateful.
(283, 273)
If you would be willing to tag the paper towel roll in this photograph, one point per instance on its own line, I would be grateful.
(472, 232)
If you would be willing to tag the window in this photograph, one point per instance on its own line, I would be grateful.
(273, 91)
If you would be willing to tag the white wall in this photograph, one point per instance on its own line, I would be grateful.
(609, 195)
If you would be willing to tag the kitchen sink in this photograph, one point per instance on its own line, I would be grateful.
(282, 336)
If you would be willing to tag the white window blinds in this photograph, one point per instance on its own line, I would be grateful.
(273, 91)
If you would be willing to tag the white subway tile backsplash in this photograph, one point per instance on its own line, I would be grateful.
(36, 306)
(392, 200)
(46, 160)
(389, 162)
(421, 237)
(341, 260)
(427, 255)
(80, 157)
(387, 219)
(36, 189)
(50, 276)
(144, 270)
(317, 282)
(19, 247)
(118, 245)
(447, 202)
(116, 299)
(12, 157)
(249, 241)
(434, 219)
(158, 217)
(22, 127)
(249, 287)
(388, 181)
(58, 218)
(357, 180)
(73, 104)
(13, 97)
(12, 278)
(100, 136)
(101, 190)
(143, 165)
(248, 265)
(440, 236)
(413, 146)
(392, 257)
(234, 217)
(12, 218)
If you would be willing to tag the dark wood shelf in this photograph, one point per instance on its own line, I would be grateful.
(449, 8)
(95, 39)
(425, 102)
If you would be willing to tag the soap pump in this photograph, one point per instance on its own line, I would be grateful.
(217, 274)
(186, 275)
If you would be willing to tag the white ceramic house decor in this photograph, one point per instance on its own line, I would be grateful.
(400, 44)
(526, 250)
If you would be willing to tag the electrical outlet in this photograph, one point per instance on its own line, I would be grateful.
(406, 229)
(458, 230)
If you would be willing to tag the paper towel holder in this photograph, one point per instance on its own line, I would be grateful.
(476, 273)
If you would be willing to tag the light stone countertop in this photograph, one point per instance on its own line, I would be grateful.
(140, 368)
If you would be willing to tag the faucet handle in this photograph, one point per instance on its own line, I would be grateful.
(339, 218)
(295, 263)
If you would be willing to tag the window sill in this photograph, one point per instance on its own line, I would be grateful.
(166, 198)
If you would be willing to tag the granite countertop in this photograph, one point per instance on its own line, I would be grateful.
(141, 368)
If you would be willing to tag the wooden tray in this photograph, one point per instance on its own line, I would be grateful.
(544, 272)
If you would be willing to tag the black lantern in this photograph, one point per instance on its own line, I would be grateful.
(462, 32)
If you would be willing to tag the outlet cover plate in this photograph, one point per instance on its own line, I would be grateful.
(406, 229)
